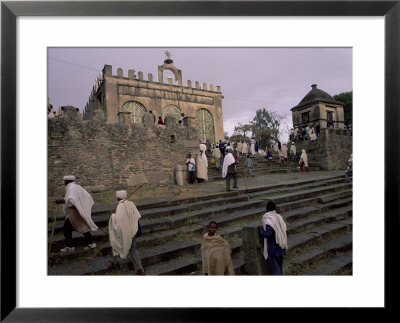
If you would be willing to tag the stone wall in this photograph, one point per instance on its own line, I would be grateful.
(114, 156)
(331, 151)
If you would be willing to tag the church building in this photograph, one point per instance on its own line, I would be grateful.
(134, 95)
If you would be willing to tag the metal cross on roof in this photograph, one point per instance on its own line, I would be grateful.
(168, 54)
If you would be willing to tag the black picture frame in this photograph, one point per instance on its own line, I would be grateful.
(10, 10)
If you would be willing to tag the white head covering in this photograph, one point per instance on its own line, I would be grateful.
(69, 178)
(121, 195)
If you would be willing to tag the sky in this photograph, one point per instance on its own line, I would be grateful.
(276, 79)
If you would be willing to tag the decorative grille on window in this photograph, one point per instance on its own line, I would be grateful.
(136, 109)
(205, 125)
(172, 111)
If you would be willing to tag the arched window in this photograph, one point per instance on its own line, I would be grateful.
(205, 125)
(136, 109)
(172, 111)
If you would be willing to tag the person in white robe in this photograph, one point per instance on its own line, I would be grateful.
(216, 154)
(284, 150)
(123, 228)
(280, 156)
(191, 168)
(293, 151)
(296, 134)
(201, 167)
(60, 112)
(78, 214)
(252, 149)
(303, 160)
(229, 170)
(275, 147)
(203, 146)
(51, 114)
(312, 135)
(244, 148)
(308, 132)
(239, 147)
(349, 169)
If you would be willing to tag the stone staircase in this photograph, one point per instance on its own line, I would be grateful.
(261, 166)
(318, 214)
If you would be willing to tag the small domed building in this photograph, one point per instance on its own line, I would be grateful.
(318, 107)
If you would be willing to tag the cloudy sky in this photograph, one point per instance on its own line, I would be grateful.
(250, 78)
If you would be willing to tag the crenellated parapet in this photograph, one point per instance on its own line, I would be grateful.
(117, 90)
(176, 81)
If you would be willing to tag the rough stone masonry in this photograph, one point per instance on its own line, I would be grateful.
(114, 156)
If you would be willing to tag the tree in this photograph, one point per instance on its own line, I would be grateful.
(347, 99)
(243, 129)
(265, 127)
(226, 136)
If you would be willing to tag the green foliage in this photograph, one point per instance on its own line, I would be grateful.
(242, 129)
(347, 99)
(226, 136)
(265, 127)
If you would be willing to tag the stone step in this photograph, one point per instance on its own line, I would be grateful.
(150, 257)
(78, 238)
(311, 237)
(296, 188)
(310, 223)
(102, 210)
(331, 197)
(162, 236)
(146, 240)
(297, 264)
(242, 173)
(189, 264)
(335, 266)
(304, 224)
(225, 210)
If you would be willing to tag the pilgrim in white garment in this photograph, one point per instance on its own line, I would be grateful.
(122, 229)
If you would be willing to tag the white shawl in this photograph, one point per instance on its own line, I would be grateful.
(216, 153)
(284, 150)
(76, 195)
(277, 223)
(203, 155)
(228, 160)
(201, 167)
(304, 157)
(122, 227)
(244, 148)
(252, 149)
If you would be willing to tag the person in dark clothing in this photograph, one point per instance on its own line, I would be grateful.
(221, 147)
(273, 231)
(160, 121)
(256, 147)
(317, 129)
